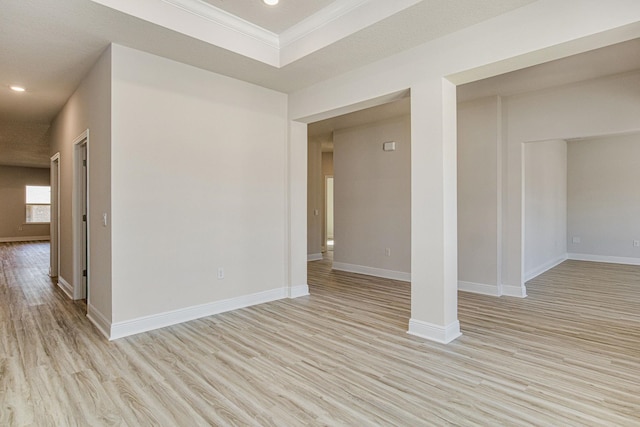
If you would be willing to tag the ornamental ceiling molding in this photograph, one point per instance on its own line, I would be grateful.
(215, 26)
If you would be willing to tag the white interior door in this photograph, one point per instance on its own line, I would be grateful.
(83, 203)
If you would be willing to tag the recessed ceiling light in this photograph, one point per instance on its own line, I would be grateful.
(271, 2)
(17, 88)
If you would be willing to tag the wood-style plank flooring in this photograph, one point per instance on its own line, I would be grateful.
(568, 355)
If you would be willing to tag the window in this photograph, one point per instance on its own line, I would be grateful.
(38, 204)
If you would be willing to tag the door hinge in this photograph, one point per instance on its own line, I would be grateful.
(84, 218)
(84, 163)
(84, 273)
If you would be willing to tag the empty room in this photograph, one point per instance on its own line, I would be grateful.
(338, 212)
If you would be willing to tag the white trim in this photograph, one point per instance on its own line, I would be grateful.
(372, 271)
(480, 288)
(298, 291)
(318, 20)
(24, 239)
(604, 258)
(78, 143)
(441, 334)
(314, 257)
(99, 320)
(340, 19)
(227, 20)
(161, 320)
(544, 267)
(54, 225)
(65, 286)
(206, 22)
(514, 291)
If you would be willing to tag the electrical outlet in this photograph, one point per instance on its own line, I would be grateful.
(220, 273)
(19, 228)
(387, 251)
(576, 240)
(636, 243)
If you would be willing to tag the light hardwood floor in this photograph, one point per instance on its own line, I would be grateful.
(568, 355)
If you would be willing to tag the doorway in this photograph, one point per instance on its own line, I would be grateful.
(54, 264)
(328, 186)
(81, 217)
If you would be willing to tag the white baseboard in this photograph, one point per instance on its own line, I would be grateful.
(298, 291)
(544, 267)
(372, 271)
(314, 257)
(514, 291)
(441, 334)
(99, 320)
(65, 286)
(24, 239)
(161, 320)
(480, 288)
(604, 258)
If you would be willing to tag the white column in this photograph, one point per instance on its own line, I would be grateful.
(434, 265)
(297, 211)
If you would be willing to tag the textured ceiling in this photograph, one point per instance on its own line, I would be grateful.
(273, 18)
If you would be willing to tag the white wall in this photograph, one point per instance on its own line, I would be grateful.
(372, 199)
(545, 198)
(604, 198)
(199, 182)
(88, 108)
(478, 195)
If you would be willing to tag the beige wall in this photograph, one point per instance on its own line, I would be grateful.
(13, 180)
(571, 111)
(88, 108)
(199, 182)
(319, 165)
(315, 200)
(604, 199)
(545, 198)
(478, 192)
(372, 197)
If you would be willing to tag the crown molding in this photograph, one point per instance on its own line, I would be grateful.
(211, 13)
(206, 22)
(318, 20)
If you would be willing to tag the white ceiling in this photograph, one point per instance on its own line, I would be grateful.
(273, 18)
(49, 46)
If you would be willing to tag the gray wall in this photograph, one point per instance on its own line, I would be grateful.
(604, 196)
(545, 196)
(13, 180)
(372, 198)
(478, 191)
(582, 110)
(88, 108)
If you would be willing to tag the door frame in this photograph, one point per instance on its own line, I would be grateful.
(54, 224)
(80, 245)
(326, 211)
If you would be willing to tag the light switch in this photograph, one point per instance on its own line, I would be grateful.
(389, 146)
